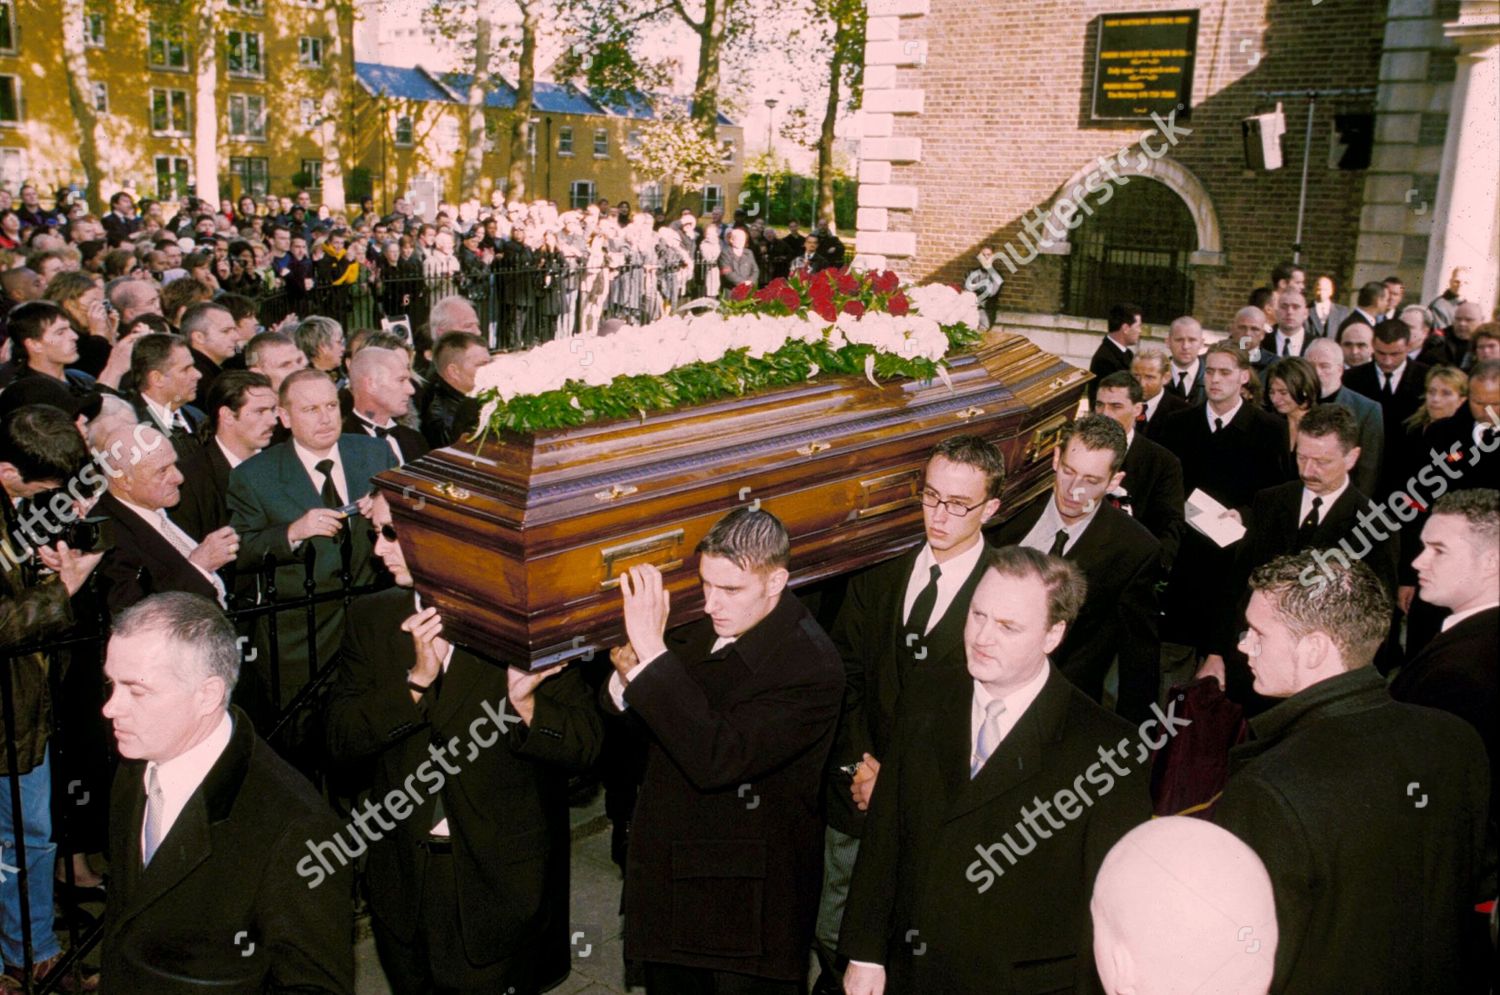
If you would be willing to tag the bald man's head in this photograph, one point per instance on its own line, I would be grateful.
(1181, 905)
(21, 284)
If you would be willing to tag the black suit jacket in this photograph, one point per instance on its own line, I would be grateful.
(507, 808)
(925, 901)
(1394, 410)
(1108, 358)
(726, 845)
(869, 635)
(232, 901)
(1194, 392)
(142, 562)
(1122, 561)
(210, 371)
(204, 505)
(409, 440)
(186, 443)
(1232, 466)
(1416, 779)
(1170, 404)
(1153, 484)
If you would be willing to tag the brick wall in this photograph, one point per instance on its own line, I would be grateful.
(1002, 121)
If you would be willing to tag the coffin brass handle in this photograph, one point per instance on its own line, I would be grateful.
(1044, 438)
(970, 412)
(638, 549)
(615, 492)
(903, 482)
(813, 448)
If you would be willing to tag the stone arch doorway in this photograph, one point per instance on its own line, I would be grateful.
(1136, 247)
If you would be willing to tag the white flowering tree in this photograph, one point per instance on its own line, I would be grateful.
(674, 151)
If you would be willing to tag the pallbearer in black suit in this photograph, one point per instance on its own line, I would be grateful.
(900, 623)
(1152, 363)
(381, 385)
(1231, 450)
(1117, 351)
(242, 416)
(726, 845)
(470, 891)
(1118, 555)
(967, 882)
(208, 826)
(1185, 378)
(1151, 492)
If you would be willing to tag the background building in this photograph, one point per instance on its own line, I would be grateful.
(977, 119)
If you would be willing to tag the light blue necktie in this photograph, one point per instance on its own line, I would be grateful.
(989, 735)
(156, 804)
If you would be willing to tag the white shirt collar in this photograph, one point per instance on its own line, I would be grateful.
(1208, 408)
(163, 415)
(229, 457)
(181, 776)
(1329, 500)
(1458, 617)
(1111, 340)
(1395, 375)
(950, 579)
(310, 461)
(1016, 704)
(1295, 339)
(1153, 403)
(1191, 371)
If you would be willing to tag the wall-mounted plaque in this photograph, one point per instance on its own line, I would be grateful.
(1144, 65)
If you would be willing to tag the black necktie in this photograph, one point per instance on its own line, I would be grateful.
(1218, 424)
(1286, 346)
(921, 609)
(379, 431)
(1182, 383)
(1387, 387)
(1305, 530)
(1059, 542)
(330, 493)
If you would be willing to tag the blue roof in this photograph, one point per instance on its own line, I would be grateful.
(398, 81)
(638, 105)
(549, 98)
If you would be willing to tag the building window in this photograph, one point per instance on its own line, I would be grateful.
(101, 98)
(565, 140)
(403, 131)
(93, 29)
(247, 115)
(649, 196)
(310, 52)
(7, 25)
(246, 6)
(601, 143)
(713, 198)
(254, 174)
(165, 46)
(12, 168)
(633, 139)
(727, 148)
(245, 50)
(171, 177)
(491, 134)
(10, 100)
(314, 170)
(169, 112)
(580, 194)
(1135, 247)
(307, 112)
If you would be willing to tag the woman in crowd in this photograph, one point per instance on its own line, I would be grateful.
(1292, 389)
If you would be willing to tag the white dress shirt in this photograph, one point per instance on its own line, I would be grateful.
(1328, 502)
(1016, 704)
(179, 777)
(952, 577)
(1190, 371)
(1152, 404)
(229, 457)
(1394, 377)
(1226, 418)
(310, 461)
(1051, 522)
(369, 427)
(1293, 341)
(1458, 617)
(166, 418)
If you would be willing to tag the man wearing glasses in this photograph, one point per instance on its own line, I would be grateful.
(901, 621)
(1118, 555)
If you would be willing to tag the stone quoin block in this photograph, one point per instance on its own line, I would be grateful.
(907, 52)
(886, 243)
(894, 101)
(876, 125)
(879, 78)
(897, 8)
(874, 171)
(872, 219)
(892, 149)
(901, 198)
(882, 29)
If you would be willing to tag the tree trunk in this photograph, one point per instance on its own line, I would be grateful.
(705, 112)
(81, 102)
(824, 199)
(339, 68)
(478, 90)
(520, 130)
(206, 107)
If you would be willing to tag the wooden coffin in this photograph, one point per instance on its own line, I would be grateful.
(520, 540)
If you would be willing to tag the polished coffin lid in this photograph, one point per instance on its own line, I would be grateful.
(519, 540)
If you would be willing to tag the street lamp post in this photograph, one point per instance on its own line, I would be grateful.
(770, 116)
